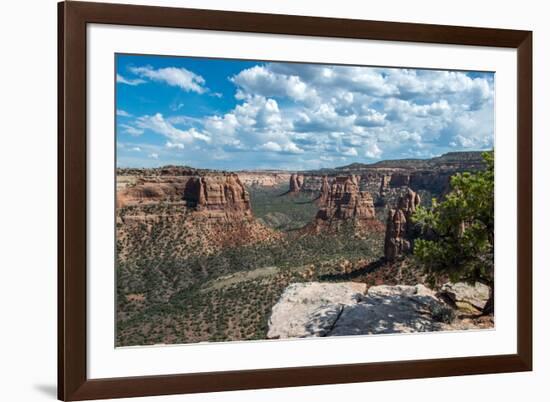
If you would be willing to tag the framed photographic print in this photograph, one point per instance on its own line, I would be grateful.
(253, 200)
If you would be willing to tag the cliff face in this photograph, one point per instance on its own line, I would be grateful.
(222, 195)
(196, 213)
(381, 183)
(263, 179)
(436, 182)
(313, 182)
(399, 226)
(399, 179)
(388, 178)
(345, 201)
(148, 192)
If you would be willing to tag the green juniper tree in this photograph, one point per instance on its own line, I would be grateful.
(458, 232)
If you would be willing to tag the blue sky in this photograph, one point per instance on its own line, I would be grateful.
(234, 114)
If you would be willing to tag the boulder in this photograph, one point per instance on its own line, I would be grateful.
(470, 299)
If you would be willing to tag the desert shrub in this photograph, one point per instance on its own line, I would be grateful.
(442, 313)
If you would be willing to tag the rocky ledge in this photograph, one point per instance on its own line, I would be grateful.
(340, 309)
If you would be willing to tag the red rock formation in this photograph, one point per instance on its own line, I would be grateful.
(150, 191)
(218, 195)
(197, 214)
(399, 225)
(408, 203)
(325, 192)
(296, 182)
(384, 185)
(345, 202)
(396, 242)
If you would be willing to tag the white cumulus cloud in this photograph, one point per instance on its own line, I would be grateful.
(350, 152)
(128, 81)
(373, 151)
(128, 129)
(159, 125)
(259, 80)
(326, 114)
(174, 76)
(122, 113)
(174, 145)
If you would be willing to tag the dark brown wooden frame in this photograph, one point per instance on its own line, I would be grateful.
(73, 17)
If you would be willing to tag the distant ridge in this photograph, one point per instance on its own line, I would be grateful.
(449, 161)
(469, 159)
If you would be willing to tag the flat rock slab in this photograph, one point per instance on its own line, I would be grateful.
(339, 309)
(388, 310)
(312, 308)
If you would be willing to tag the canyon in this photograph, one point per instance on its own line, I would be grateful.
(209, 255)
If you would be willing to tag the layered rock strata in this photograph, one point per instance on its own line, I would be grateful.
(218, 195)
(194, 213)
(344, 201)
(386, 179)
(263, 179)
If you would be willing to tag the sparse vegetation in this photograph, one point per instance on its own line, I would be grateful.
(184, 294)
(282, 211)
